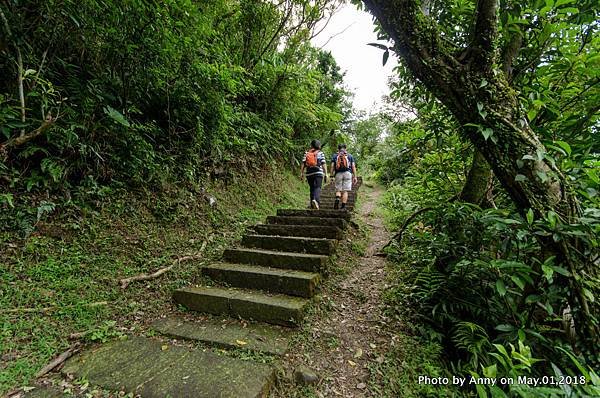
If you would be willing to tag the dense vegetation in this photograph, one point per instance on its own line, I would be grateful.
(95, 92)
(122, 121)
(135, 132)
(477, 262)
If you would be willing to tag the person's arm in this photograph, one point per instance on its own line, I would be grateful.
(302, 171)
(354, 176)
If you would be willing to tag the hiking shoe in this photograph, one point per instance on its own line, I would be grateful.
(314, 204)
(336, 204)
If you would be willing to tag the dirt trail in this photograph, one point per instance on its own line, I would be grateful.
(344, 341)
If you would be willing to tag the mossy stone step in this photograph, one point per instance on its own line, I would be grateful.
(269, 339)
(325, 205)
(309, 231)
(332, 198)
(278, 309)
(275, 259)
(290, 220)
(314, 213)
(155, 369)
(294, 283)
(290, 243)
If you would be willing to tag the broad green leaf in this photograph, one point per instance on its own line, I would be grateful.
(518, 281)
(505, 328)
(501, 287)
(565, 146)
(529, 216)
(487, 132)
(520, 177)
(378, 45)
(116, 116)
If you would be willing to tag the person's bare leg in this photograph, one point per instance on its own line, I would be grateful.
(345, 197)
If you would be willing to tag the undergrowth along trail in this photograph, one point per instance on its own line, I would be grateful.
(356, 349)
(61, 281)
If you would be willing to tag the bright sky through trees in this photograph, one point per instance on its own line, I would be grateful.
(346, 36)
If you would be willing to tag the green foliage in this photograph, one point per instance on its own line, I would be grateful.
(476, 280)
(144, 92)
(50, 278)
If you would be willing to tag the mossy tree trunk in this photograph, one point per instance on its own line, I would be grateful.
(478, 181)
(479, 95)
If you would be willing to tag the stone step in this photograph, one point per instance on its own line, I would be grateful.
(287, 220)
(278, 309)
(156, 369)
(332, 195)
(294, 283)
(309, 231)
(275, 259)
(290, 244)
(313, 213)
(229, 333)
(326, 203)
(329, 205)
(331, 202)
(332, 199)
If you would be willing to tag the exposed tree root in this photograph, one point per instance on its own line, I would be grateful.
(59, 360)
(144, 277)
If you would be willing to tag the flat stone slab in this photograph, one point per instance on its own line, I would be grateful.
(44, 392)
(289, 220)
(328, 206)
(154, 369)
(309, 231)
(276, 259)
(294, 283)
(229, 334)
(278, 309)
(314, 213)
(290, 243)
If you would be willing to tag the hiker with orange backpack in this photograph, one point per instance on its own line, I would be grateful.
(316, 170)
(343, 168)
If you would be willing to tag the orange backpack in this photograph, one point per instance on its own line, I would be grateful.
(311, 158)
(341, 163)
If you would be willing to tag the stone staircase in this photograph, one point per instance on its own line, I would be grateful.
(276, 269)
(261, 289)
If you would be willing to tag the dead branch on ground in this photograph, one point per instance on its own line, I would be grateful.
(144, 277)
(59, 360)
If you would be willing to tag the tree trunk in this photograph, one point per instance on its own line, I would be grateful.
(477, 185)
(488, 108)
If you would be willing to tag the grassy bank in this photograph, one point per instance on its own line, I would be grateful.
(61, 277)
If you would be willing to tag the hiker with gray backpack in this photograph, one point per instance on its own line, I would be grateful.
(314, 164)
(343, 168)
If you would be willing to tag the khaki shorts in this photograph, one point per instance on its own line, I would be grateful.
(343, 181)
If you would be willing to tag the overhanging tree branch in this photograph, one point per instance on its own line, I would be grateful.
(485, 34)
(22, 139)
(417, 40)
